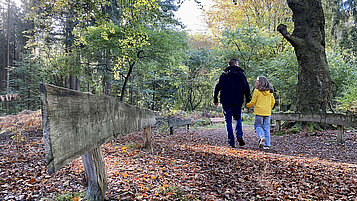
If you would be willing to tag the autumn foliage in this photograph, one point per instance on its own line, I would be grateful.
(25, 121)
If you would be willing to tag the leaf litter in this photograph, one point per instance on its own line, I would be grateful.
(194, 165)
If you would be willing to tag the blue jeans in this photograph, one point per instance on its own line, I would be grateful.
(234, 111)
(262, 127)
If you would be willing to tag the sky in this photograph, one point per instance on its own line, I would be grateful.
(192, 16)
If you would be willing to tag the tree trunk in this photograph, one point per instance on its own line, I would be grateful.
(126, 79)
(308, 39)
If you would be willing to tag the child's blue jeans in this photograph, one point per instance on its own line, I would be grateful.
(262, 127)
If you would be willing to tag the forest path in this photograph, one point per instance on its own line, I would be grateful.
(194, 165)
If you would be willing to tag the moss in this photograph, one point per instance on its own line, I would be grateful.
(295, 130)
(280, 133)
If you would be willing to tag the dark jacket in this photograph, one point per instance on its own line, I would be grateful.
(233, 86)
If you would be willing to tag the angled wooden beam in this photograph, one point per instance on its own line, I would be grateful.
(75, 123)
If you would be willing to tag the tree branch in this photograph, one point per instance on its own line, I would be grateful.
(295, 41)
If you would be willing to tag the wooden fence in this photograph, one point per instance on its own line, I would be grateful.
(335, 119)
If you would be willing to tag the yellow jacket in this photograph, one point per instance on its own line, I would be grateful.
(263, 101)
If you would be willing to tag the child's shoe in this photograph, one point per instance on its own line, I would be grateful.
(261, 142)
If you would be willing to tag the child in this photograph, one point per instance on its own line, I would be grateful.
(264, 101)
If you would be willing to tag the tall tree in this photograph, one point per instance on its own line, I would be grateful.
(308, 39)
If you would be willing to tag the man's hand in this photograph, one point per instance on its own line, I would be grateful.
(215, 104)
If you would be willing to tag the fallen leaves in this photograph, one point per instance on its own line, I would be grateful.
(193, 166)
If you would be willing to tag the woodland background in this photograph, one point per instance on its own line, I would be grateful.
(136, 50)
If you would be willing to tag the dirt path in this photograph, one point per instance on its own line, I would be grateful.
(322, 146)
(195, 165)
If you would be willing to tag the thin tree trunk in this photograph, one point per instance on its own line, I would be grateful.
(153, 94)
(126, 79)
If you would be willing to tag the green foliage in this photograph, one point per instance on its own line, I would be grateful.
(258, 55)
(174, 192)
(133, 47)
(25, 80)
(348, 102)
(345, 88)
(70, 196)
(152, 83)
(295, 130)
(342, 27)
(195, 81)
(249, 44)
(282, 74)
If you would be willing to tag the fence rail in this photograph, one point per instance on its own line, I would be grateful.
(327, 118)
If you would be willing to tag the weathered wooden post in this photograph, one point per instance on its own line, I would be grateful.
(76, 124)
(340, 132)
(147, 137)
(277, 126)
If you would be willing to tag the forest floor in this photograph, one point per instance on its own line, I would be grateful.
(194, 165)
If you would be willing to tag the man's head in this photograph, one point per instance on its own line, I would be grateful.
(233, 62)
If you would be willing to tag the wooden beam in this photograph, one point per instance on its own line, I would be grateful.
(334, 119)
(75, 123)
(178, 122)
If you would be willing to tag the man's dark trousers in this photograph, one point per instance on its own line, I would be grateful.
(229, 111)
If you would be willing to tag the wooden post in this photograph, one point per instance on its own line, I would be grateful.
(340, 131)
(277, 125)
(171, 130)
(147, 137)
(94, 166)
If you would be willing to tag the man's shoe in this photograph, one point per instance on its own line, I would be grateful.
(266, 147)
(261, 142)
(241, 141)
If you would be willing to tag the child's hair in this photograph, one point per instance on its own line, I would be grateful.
(263, 84)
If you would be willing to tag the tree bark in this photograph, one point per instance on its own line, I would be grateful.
(308, 39)
(126, 79)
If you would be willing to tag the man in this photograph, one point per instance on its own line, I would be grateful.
(233, 86)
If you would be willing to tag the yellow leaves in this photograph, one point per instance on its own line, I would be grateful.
(32, 180)
(123, 149)
(125, 175)
(75, 199)
(104, 35)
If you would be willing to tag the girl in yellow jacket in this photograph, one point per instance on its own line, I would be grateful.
(263, 99)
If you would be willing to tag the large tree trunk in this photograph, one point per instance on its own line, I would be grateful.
(308, 39)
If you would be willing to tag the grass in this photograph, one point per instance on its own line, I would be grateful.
(70, 196)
